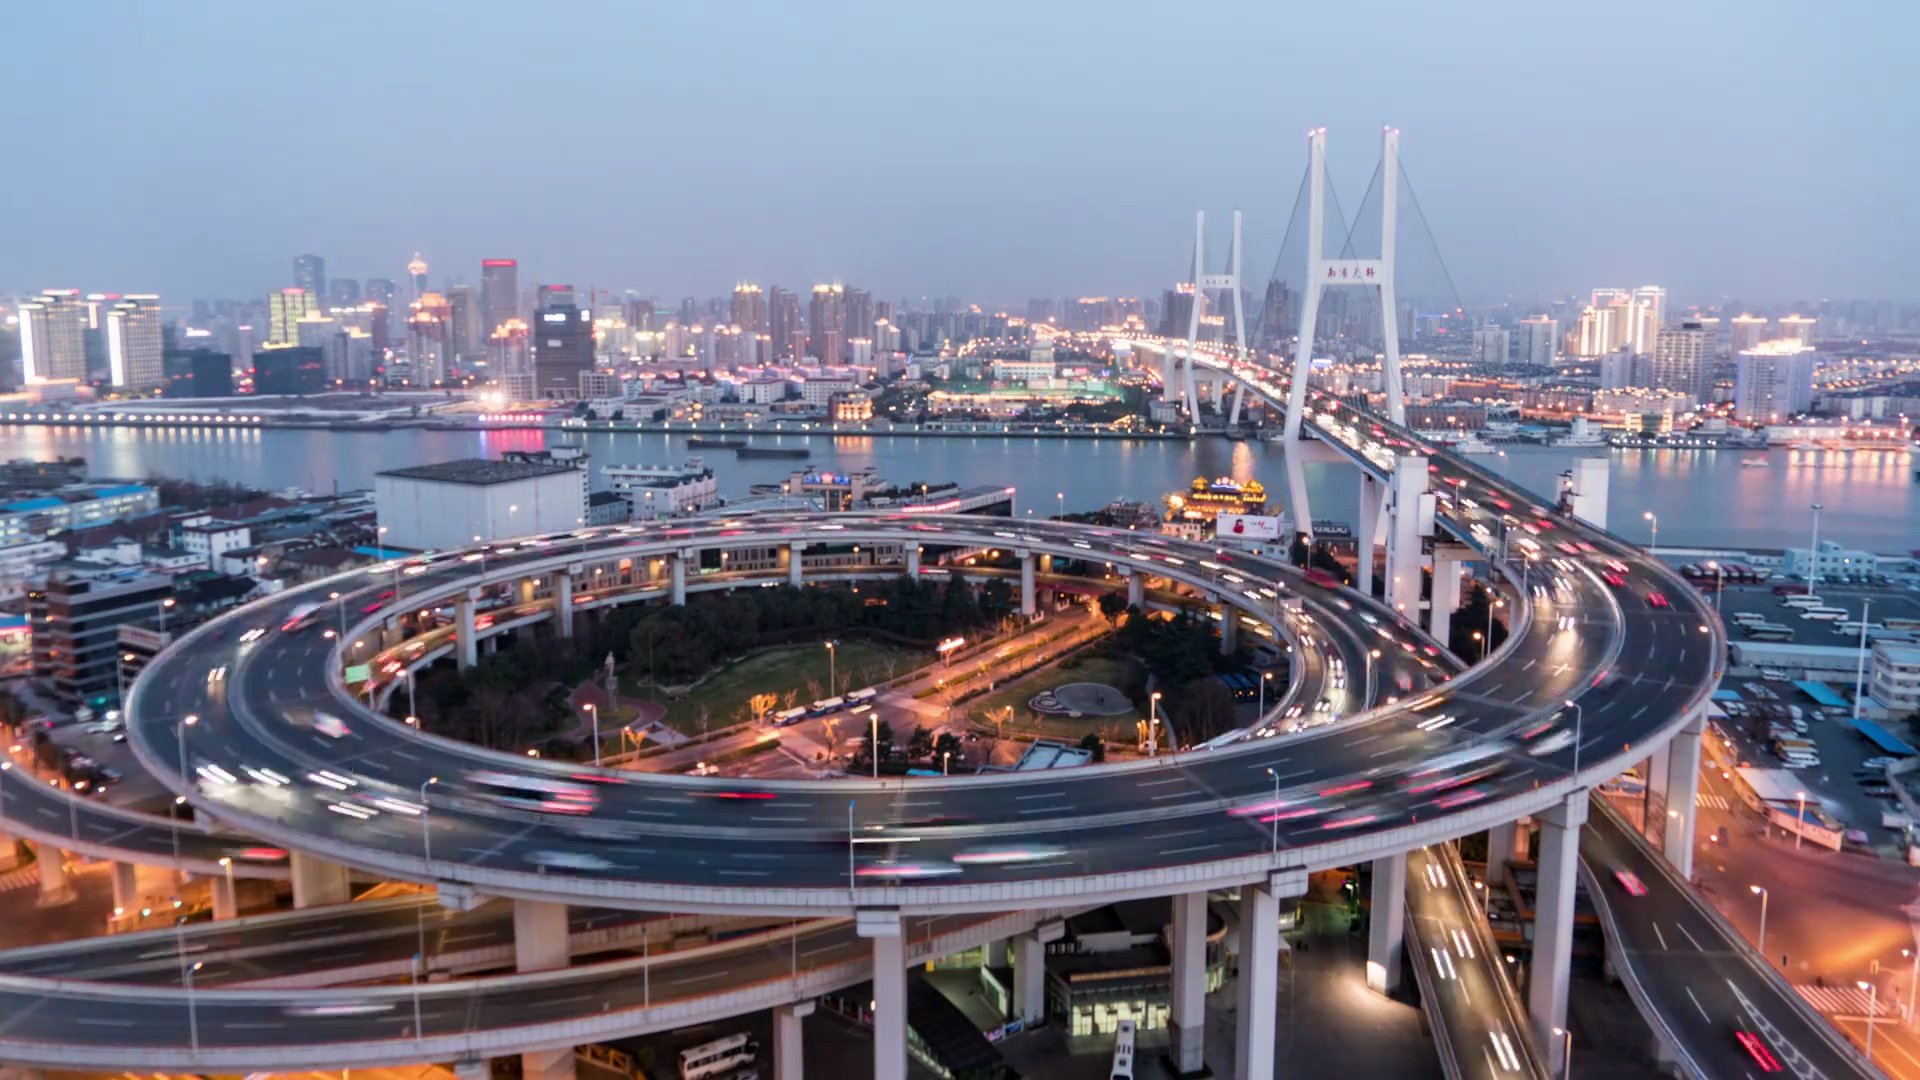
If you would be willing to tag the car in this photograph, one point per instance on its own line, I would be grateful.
(1630, 882)
(1757, 1049)
(253, 635)
(568, 860)
(1614, 579)
(1655, 599)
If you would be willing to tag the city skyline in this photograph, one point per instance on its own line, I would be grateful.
(1017, 182)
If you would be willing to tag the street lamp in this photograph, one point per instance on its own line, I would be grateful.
(1720, 585)
(1275, 818)
(226, 863)
(1813, 555)
(1153, 718)
(832, 678)
(1802, 821)
(1873, 1011)
(1062, 496)
(945, 757)
(1265, 678)
(1566, 1052)
(180, 730)
(1653, 547)
(193, 1015)
(594, 712)
(1761, 892)
(165, 605)
(873, 742)
(1579, 724)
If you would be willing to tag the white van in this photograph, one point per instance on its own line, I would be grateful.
(1746, 618)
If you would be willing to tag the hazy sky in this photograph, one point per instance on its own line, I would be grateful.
(1750, 148)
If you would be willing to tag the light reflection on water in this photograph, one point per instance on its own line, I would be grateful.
(1701, 496)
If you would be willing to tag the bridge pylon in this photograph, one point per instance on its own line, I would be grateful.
(1177, 376)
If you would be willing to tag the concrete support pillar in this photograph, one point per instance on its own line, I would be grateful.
(787, 1040)
(226, 901)
(539, 944)
(317, 882)
(390, 632)
(466, 644)
(126, 887)
(1553, 923)
(1386, 922)
(1029, 978)
(1229, 629)
(1136, 589)
(1500, 841)
(1446, 597)
(677, 568)
(55, 889)
(1046, 563)
(1369, 526)
(563, 600)
(524, 587)
(1259, 983)
(1590, 490)
(1187, 1021)
(1683, 791)
(889, 992)
(9, 851)
(796, 569)
(913, 559)
(1405, 530)
(1027, 606)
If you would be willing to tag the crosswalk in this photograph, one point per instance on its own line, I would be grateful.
(23, 878)
(1844, 1000)
(1709, 801)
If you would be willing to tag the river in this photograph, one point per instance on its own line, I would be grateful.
(1701, 497)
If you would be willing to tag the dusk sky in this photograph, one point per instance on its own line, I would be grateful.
(1760, 150)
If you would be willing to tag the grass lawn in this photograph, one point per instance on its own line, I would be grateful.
(1095, 669)
(725, 695)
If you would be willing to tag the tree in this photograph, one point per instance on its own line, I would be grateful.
(920, 743)
(1112, 606)
(1091, 741)
(1202, 709)
(947, 743)
(761, 704)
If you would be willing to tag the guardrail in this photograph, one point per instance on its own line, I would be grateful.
(1741, 948)
(1482, 935)
(1623, 967)
(1428, 982)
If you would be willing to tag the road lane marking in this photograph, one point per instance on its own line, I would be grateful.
(1184, 850)
(1658, 934)
(1697, 1005)
(1678, 926)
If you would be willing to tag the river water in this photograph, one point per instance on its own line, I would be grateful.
(1701, 497)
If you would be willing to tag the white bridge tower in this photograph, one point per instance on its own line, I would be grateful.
(1176, 376)
(1323, 273)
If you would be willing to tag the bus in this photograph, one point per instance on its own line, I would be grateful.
(1745, 618)
(1824, 614)
(719, 1056)
(789, 716)
(540, 794)
(863, 697)
(826, 705)
(1123, 1050)
(1804, 600)
(1897, 622)
(1770, 632)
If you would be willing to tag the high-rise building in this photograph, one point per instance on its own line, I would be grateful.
(1649, 312)
(343, 292)
(1682, 361)
(285, 309)
(562, 343)
(417, 271)
(310, 273)
(1772, 381)
(859, 322)
(463, 323)
(1797, 328)
(198, 373)
(289, 370)
(136, 348)
(783, 322)
(382, 290)
(499, 295)
(1490, 344)
(827, 323)
(1748, 331)
(53, 337)
(1539, 340)
(749, 308)
(429, 339)
(76, 622)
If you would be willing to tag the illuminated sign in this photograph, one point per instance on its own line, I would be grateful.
(499, 262)
(554, 316)
(1247, 526)
(1355, 271)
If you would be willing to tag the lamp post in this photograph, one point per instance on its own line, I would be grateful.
(1873, 1011)
(1913, 980)
(1860, 661)
(593, 711)
(420, 913)
(1579, 726)
(1275, 816)
(1720, 585)
(1566, 1052)
(1062, 496)
(120, 678)
(832, 677)
(946, 756)
(1653, 547)
(342, 609)
(1802, 796)
(165, 606)
(1153, 718)
(226, 863)
(193, 1015)
(180, 731)
(1761, 892)
(1813, 556)
(1265, 678)
(873, 741)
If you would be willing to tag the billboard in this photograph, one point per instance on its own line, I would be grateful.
(1246, 527)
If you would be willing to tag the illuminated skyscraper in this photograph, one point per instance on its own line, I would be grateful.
(429, 345)
(1748, 331)
(783, 322)
(136, 350)
(284, 309)
(310, 273)
(499, 294)
(417, 270)
(53, 336)
(1649, 312)
(749, 308)
(1539, 340)
(1797, 328)
(1772, 381)
(464, 340)
(827, 323)
(382, 290)
(1683, 361)
(562, 343)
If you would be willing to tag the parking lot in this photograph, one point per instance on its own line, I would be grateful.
(1880, 602)
(1835, 782)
